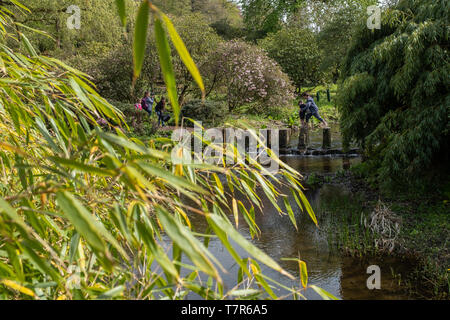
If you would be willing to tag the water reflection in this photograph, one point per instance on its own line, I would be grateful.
(316, 138)
(320, 164)
(343, 277)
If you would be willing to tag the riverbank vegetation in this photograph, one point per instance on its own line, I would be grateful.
(363, 223)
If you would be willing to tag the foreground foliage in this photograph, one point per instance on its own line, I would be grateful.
(87, 212)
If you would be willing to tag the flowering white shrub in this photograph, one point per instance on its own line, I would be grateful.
(251, 77)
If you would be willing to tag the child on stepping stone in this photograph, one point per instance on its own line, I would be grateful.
(312, 109)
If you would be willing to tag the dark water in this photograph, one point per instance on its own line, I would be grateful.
(316, 138)
(342, 276)
(320, 164)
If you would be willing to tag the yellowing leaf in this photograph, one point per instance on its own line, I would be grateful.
(303, 273)
(17, 287)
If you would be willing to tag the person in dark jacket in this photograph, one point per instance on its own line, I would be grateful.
(160, 106)
(302, 112)
(147, 102)
(312, 109)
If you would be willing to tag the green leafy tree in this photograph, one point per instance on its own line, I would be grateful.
(262, 17)
(338, 24)
(218, 10)
(114, 73)
(394, 95)
(99, 24)
(297, 52)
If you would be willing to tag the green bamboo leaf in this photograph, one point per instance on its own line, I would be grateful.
(244, 292)
(11, 212)
(82, 220)
(257, 273)
(165, 59)
(156, 250)
(121, 9)
(193, 248)
(129, 145)
(82, 96)
(90, 228)
(172, 179)
(28, 45)
(224, 239)
(290, 212)
(140, 37)
(20, 5)
(324, 294)
(42, 128)
(114, 292)
(308, 207)
(73, 249)
(184, 53)
(258, 254)
(6, 269)
(254, 229)
(42, 33)
(82, 167)
(41, 263)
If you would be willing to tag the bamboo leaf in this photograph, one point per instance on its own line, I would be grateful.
(324, 294)
(290, 212)
(258, 254)
(18, 287)
(90, 228)
(28, 45)
(303, 273)
(114, 292)
(121, 9)
(184, 53)
(165, 59)
(193, 248)
(82, 167)
(140, 38)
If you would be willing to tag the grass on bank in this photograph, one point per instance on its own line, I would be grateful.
(423, 236)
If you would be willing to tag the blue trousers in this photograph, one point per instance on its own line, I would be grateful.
(315, 113)
(160, 118)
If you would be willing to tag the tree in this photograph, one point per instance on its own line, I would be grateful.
(394, 96)
(296, 51)
(218, 10)
(99, 24)
(338, 20)
(113, 74)
(251, 77)
(113, 71)
(262, 17)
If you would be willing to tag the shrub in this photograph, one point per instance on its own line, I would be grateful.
(297, 53)
(209, 112)
(139, 121)
(394, 94)
(114, 76)
(251, 77)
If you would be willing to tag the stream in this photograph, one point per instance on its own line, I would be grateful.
(342, 276)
